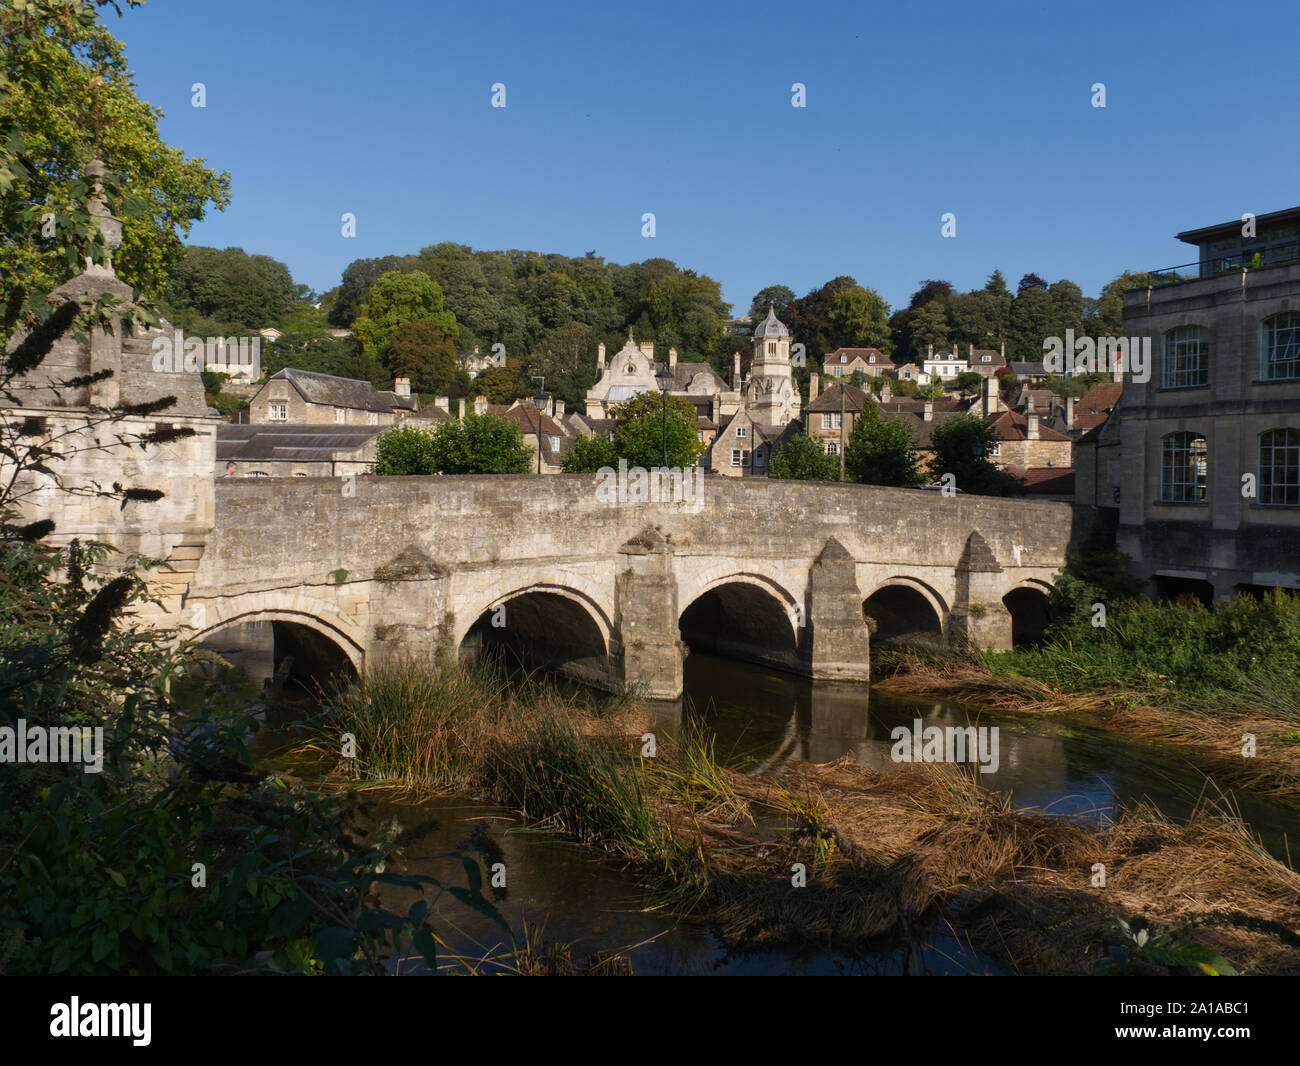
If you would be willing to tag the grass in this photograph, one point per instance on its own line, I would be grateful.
(886, 855)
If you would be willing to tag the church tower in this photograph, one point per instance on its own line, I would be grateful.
(770, 393)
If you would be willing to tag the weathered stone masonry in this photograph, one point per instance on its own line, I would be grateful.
(399, 567)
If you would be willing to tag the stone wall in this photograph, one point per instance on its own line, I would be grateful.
(405, 566)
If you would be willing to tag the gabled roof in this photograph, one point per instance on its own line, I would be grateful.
(1095, 406)
(331, 391)
(1012, 425)
(844, 356)
(829, 400)
(1045, 480)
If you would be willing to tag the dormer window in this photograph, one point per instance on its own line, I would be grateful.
(871, 359)
(986, 358)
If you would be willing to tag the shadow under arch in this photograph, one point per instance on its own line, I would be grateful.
(745, 617)
(544, 626)
(1030, 607)
(906, 613)
(305, 652)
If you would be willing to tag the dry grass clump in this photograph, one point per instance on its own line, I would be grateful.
(1211, 736)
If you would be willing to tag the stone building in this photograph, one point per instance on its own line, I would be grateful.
(831, 415)
(295, 451)
(844, 362)
(633, 370)
(78, 424)
(1209, 446)
(304, 397)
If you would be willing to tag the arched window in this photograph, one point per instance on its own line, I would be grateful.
(1281, 347)
(832, 449)
(1182, 468)
(1187, 357)
(1279, 467)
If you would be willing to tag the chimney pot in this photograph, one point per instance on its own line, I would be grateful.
(672, 357)
(402, 386)
(814, 383)
(1031, 427)
(927, 411)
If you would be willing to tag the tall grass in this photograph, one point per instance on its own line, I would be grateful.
(564, 761)
(1242, 650)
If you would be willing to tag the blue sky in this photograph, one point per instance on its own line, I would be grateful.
(684, 110)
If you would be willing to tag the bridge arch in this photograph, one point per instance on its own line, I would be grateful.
(545, 624)
(1029, 604)
(907, 611)
(208, 617)
(258, 641)
(744, 615)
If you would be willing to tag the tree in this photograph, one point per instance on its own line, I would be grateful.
(590, 454)
(802, 459)
(963, 444)
(639, 435)
(880, 451)
(66, 85)
(500, 384)
(422, 352)
(970, 380)
(481, 444)
(395, 300)
(860, 319)
(230, 287)
(779, 297)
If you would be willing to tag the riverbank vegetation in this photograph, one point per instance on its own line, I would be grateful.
(838, 856)
(1221, 683)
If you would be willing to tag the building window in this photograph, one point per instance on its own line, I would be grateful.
(699, 435)
(742, 432)
(1279, 467)
(996, 450)
(1182, 468)
(831, 421)
(986, 358)
(372, 418)
(1187, 357)
(554, 442)
(340, 415)
(1282, 347)
(771, 347)
(277, 412)
(832, 449)
(871, 359)
(739, 457)
(758, 457)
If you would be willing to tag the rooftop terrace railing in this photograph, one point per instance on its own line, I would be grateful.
(1216, 267)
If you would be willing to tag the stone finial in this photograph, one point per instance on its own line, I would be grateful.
(109, 226)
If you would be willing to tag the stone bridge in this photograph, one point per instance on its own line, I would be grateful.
(776, 572)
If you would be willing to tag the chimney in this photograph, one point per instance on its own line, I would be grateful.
(970, 352)
(402, 386)
(930, 349)
(735, 371)
(600, 355)
(480, 404)
(989, 396)
(927, 411)
(1031, 427)
(443, 403)
(557, 409)
(1069, 412)
(814, 382)
(886, 394)
(1004, 351)
(672, 358)
(461, 415)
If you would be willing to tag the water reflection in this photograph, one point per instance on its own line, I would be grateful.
(762, 718)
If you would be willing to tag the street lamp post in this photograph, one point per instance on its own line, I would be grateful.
(664, 378)
(540, 401)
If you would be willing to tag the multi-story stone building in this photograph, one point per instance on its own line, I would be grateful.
(1209, 446)
(844, 362)
(303, 397)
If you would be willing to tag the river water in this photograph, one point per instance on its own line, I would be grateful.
(762, 718)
